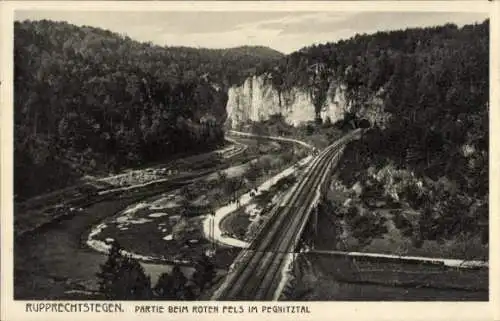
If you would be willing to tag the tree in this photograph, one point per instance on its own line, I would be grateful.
(221, 177)
(318, 84)
(364, 123)
(132, 283)
(110, 270)
(232, 186)
(328, 122)
(173, 286)
(188, 196)
(204, 272)
(260, 133)
(253, 172)
(309, 130)
(123, 278)
(131, 103)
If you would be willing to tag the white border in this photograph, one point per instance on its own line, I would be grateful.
(13, 310)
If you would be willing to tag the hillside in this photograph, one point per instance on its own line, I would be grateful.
(229, 66)
(425, 91)
(91, 101)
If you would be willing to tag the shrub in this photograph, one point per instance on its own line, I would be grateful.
(204, 272)
(174, 286)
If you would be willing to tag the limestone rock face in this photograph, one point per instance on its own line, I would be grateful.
(257, 99)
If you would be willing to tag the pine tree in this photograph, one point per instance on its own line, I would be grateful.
(163, 287)
(132, 282)
(178, 282)
(204, 272)
(173, 286)
(110, 270)
(123, 278)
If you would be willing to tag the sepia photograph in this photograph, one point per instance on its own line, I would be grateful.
(250, 155)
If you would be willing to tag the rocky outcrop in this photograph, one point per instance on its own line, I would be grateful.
(257, 99)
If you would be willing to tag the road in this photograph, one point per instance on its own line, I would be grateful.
(283, 139)
(257, 271)
(212, 224)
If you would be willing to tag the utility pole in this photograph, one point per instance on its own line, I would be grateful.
(214, 243)
(315, 227)
(211, 232)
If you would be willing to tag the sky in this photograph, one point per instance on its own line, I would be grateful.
(283, 31)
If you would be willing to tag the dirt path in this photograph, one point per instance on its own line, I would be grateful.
(221, 213)
(245, 199)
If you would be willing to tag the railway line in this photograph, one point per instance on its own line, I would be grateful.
(256, 272)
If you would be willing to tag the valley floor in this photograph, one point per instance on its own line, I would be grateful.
(42, 267)
(146, 219)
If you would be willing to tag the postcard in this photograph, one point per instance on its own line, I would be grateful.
(305, 160)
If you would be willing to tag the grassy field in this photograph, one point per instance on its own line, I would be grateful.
(236, 224)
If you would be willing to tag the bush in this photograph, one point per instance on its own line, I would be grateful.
(174, 286)
(351, 213)
(367, 227)
(309, 129)
(402, 223)
(328, 122)
(204, 272)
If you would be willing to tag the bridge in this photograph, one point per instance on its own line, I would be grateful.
(257, 273)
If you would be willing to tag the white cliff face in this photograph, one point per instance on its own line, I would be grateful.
(257, 99)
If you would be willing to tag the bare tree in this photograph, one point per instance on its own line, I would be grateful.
(188, 196)
(253, 173)
(232, 186)
(221, 177)
(260, 132)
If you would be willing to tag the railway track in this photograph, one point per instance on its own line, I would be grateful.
(257, 268)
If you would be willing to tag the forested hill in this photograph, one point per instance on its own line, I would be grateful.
(438, 69)
(227, 67)
(89, 100)
(434, 83)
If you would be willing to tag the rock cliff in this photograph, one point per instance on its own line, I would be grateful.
(256, 99)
